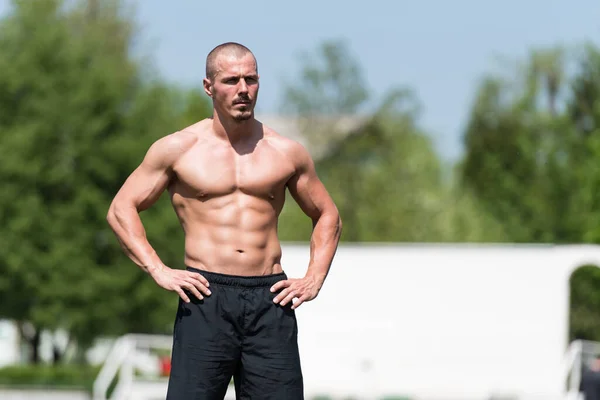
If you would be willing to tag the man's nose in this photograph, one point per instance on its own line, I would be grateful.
(243, 87)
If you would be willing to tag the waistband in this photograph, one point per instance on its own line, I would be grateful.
(240, 280)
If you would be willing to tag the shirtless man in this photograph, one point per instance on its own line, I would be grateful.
(227, 178)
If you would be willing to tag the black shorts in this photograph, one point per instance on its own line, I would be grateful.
(236, 332)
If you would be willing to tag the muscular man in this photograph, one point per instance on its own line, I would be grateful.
(227, 178)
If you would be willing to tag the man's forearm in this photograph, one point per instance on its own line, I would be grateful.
(323, 245)
(127, 226)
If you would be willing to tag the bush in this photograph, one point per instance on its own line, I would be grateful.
(64, 376)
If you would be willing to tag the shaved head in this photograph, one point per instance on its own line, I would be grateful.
(230, 49)
(232, 81)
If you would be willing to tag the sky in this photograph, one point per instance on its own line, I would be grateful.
(439, 49)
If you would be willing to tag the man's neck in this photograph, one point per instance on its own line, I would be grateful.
(231, 130)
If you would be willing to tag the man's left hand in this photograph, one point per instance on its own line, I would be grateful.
(304, 289)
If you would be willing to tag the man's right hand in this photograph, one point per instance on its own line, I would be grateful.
(178, 280)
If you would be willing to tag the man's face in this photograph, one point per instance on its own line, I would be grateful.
(234, 88)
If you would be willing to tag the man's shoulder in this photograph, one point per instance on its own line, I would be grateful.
(182, 140)
(169, 148)
(286, 145)
(175, 143)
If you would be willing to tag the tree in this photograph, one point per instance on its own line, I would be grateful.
(332, 88)
(585, 302)
(515, 149)
(533, 145)
(76, 116)
(383, 171)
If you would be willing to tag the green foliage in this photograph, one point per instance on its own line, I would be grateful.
(64, 376)
(585, 303)
(369, 173)
(76, 117)
(532, 151)
(331, 88)
(333, 77)
(382, 172)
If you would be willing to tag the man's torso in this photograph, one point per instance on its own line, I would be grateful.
(228, 201)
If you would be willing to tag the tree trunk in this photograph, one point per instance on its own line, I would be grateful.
(34, 344)
(56, 355)
(32, 336)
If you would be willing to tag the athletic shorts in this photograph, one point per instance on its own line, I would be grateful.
(235, 333)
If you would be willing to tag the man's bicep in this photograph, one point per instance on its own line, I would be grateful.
(144, 186)
(146, 183)
(309, 192)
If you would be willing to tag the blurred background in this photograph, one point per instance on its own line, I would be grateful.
(429, 121)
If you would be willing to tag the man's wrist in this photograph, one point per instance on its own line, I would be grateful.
(317, 278)
(153, 269)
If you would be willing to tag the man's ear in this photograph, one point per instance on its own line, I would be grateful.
(207, 86)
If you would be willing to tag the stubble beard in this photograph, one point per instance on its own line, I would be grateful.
(243, 115)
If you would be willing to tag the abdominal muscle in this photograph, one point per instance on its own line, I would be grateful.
(234, 234)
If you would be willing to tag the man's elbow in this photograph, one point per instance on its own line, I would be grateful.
(116, 212)
(338, 224)
(111, 216)
(332, 218)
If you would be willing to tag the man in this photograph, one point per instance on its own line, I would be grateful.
(227, 178)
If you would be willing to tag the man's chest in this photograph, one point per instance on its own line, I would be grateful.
(218, 172)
